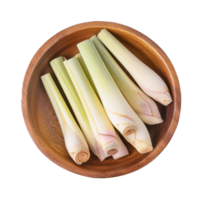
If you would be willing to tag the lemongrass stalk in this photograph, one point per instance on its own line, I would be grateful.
(117, 108)
(143, 105)
(122, 151)
(75, 102)
(87, 73)
(74, 140)
(100, 124)
(146, 78)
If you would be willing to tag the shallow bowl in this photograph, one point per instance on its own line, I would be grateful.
(41, 120)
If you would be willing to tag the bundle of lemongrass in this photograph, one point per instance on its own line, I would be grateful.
(101, 96)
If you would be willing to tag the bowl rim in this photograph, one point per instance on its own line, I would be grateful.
(111, 25)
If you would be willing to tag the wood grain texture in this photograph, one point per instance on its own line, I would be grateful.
(41, 120)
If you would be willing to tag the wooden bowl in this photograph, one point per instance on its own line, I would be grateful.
(41, 120)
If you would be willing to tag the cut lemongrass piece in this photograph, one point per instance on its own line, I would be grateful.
(122, 149)
(74, 140)
(118, 110)
(100, 124)
(75, 102)
(146, 78)
(143, 105)
(87, 73)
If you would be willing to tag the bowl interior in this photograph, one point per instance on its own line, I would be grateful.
(44, 121)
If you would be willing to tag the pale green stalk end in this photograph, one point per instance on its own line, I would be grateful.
(87, 73)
